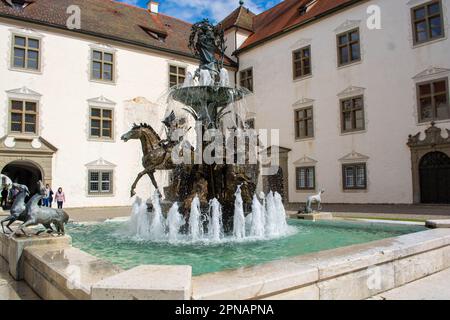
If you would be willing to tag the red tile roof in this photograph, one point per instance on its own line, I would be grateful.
(241, 18)
(111, 20)
(286, 16)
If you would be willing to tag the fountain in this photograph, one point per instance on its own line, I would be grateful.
(210, 196)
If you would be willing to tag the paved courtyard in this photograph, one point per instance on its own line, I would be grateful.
(395, 212)
(366, 211)
(11, 289)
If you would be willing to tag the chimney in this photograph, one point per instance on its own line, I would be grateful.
(153, 6)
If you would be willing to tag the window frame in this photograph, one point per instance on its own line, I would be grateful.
(432, 95)
(426, 19)
(100, 181)
(348, 45)
(103, 62)
(101, 119)
(301, 60)
(355, 166)
(26, 48)
(23, 113)
(341, 106)
(177, 74)
(297, 180)
(297, 133)
(246, 78)
(250, 123)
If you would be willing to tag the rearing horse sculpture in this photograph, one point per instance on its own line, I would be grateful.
(157, 152)
(18, 207)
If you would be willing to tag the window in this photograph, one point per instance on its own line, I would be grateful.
(101, 123)
(306, 178)
(250, 124)
(427, 22)
(433, 100)
(302, 62)
(304, 125)
(246, 77)
(349, 50)
(354, 176)
(23, 117)
(26, 53)
(100, 182)
(352, 114)
(102, 66)
(176, 75)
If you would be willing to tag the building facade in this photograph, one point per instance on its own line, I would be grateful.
(349, 85)
(67, 95)
(358, 90)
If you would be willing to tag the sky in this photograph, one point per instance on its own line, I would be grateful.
(195, 10)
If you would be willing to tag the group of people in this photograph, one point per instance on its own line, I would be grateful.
(49, 197)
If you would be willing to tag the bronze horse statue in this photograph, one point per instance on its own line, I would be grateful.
(18, 207)
(157, 152)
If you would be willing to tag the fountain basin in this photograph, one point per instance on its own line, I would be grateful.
(197, 96)
(109, 241)
(352, 272)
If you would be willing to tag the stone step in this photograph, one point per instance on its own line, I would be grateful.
(64, 272)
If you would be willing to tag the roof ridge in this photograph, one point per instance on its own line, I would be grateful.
(175, 18)
(146, 10)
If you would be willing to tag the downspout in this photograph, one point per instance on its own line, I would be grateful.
(237, 59)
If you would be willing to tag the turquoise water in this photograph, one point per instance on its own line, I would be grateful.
(108, 241)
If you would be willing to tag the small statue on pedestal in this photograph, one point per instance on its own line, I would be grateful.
(313, 199)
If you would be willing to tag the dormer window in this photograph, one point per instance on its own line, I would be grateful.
(18, 4)
(304, 8)
(155, 34)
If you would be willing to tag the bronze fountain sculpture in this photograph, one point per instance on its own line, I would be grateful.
(208, 98)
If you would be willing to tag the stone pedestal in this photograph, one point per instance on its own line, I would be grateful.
(316, 216)
(12, 249)
(147, 283)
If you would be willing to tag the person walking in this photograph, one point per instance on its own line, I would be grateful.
(60, 198)
(4, 198)
(46, 196)
(50, 197)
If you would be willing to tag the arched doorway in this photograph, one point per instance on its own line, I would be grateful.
(24, 172)
(434, 171)
(275, 183)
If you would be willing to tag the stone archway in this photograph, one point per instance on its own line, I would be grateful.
(276, 183)
(34, 155)
(280, 181)
(426, 154)
(24, 172)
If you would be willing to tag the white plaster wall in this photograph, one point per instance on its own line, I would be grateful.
(65, 88)
(230, 42)
(241, 36)
(389, 62)
(234, 38)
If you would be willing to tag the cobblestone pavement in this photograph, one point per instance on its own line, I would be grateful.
(11, 289)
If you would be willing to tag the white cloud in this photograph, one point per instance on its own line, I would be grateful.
(133, 2)
(216, 10)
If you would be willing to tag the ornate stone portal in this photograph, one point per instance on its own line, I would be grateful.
(434, 141)
(33, 152)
